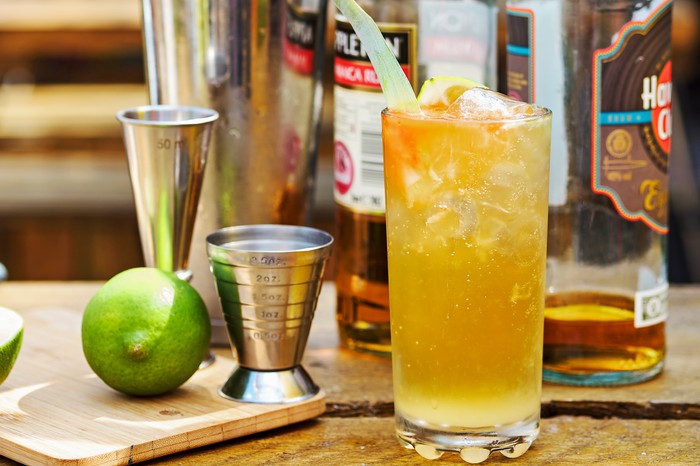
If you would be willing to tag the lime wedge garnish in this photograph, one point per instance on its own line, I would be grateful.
(11, 331)
(440, 92)
(397, 90)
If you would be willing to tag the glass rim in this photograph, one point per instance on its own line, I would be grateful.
(545, 112)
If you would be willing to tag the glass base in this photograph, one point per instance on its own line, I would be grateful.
(473, 446)
(601, 378)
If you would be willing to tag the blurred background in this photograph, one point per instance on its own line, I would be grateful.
(67, 66)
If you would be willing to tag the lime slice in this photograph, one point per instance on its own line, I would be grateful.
(397, 90)
(441, 91)
(11, 332)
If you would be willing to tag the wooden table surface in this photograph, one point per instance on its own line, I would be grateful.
(656, 422)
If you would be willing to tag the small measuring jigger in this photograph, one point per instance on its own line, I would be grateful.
(268, 278)
(166, 148)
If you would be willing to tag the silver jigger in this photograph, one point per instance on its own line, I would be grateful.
(268, 278)
(166, 147)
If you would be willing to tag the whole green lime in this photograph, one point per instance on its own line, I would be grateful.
(11, 332)
(145, 331)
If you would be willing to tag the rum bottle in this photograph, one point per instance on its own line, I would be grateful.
(604, 69)
(429, 38)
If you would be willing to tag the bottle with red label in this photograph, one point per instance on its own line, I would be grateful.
(604, 69)
(429, 38)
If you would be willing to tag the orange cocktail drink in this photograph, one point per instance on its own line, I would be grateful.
(466, 193)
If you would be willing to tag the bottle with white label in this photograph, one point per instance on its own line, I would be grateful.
(429, 38)
(603, 67)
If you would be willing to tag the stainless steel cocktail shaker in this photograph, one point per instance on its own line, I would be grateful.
(259, 64)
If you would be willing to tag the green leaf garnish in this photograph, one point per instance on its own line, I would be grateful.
(397, 89)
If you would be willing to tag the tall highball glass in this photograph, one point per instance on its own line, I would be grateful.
(466, 230)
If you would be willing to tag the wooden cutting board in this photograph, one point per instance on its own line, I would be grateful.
(54, 409)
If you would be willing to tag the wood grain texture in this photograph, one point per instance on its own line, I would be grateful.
(54, 410)
(371, 441)
(657, 422)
